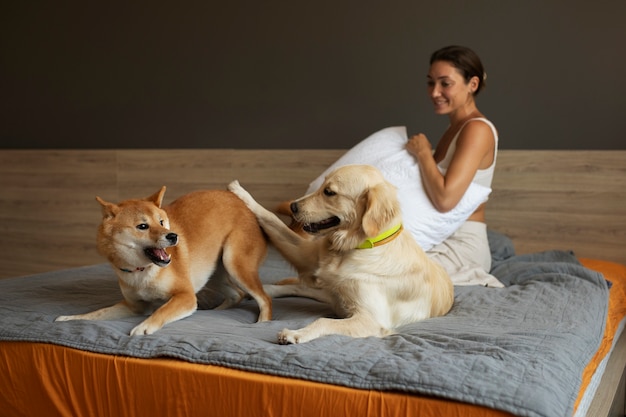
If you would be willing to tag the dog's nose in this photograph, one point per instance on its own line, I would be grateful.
(172, 238)
(294, 207)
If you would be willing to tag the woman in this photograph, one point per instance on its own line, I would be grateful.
(465, 153)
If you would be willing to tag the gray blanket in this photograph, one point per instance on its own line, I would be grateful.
(520, 349)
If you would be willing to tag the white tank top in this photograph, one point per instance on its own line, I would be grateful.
(483, 176)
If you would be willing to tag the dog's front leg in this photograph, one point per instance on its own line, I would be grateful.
(269, 221)
(291, 245)
(117, 311)
(181, 305)
(355, 326)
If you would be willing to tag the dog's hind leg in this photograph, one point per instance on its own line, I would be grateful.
(242, 263)
(355, 326)
(297, 290)
(221, 283)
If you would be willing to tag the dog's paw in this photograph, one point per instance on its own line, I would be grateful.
(286, 337)
(64, 318)
(236, 188)
(144, 328)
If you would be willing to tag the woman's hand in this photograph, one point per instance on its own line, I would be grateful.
(418, 145)
(434, 182)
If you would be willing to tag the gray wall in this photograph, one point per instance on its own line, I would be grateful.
(289, 74)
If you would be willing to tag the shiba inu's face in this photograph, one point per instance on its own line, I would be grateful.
(137, 231)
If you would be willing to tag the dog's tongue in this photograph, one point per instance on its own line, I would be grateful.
(161, 254)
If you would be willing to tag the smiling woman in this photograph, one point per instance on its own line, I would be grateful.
(465, 154)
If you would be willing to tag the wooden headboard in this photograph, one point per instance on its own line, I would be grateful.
(48, 215)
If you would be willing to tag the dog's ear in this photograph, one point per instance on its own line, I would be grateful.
(108, 209)
(157, 198)
(381, 208)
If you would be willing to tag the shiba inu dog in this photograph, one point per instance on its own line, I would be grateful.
(164, 256)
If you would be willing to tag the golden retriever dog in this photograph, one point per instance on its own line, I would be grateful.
(357, 258)
(164, 256)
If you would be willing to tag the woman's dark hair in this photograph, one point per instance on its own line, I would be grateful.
(465, 61)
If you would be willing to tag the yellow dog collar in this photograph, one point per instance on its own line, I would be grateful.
(385, 237)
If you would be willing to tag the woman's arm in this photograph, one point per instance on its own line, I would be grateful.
(474, 150)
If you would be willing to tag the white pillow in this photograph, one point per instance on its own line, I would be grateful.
(386, 151)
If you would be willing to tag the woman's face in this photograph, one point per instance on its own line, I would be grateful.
(447, 88)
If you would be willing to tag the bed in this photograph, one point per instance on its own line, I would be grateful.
(551, 343)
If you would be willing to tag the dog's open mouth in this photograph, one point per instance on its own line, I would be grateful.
(158, 256)
(324, 224)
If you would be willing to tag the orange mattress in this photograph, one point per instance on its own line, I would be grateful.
(49, 380)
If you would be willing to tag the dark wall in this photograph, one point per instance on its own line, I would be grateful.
(288, 74)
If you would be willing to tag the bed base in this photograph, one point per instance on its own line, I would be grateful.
(610, 397)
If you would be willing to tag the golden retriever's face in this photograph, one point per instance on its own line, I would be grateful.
(138, 228)
(355, 199)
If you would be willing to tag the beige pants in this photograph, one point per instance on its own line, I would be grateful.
(466, 256)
